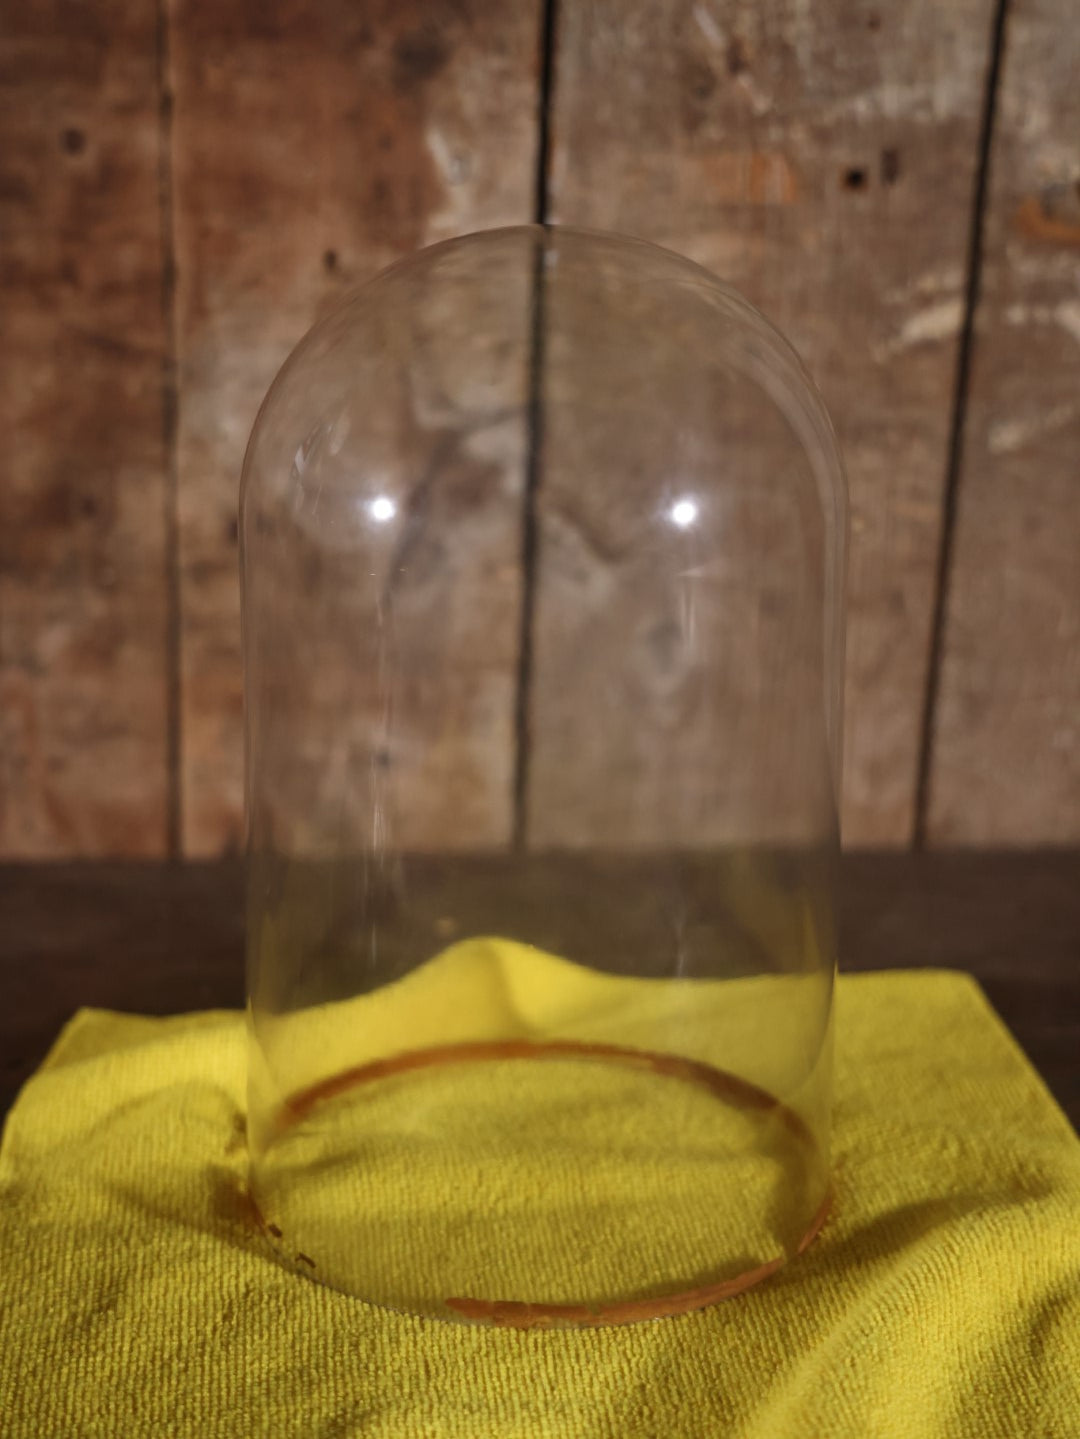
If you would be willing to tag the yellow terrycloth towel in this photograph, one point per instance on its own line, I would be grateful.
(943, 1297)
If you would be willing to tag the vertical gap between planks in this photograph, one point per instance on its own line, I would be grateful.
(535, 434)
(946, 544)
(170, 416)
(548, 37)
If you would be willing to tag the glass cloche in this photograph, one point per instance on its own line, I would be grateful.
(542, 551)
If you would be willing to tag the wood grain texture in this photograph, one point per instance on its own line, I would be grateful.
(313, 145)
(823, 163)
(82, 558)
(677, 696)
(1006, 752)
(382, 652)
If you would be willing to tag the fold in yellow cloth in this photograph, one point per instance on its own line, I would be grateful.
(943, 1297)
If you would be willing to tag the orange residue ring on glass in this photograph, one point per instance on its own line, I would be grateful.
(521, 1314)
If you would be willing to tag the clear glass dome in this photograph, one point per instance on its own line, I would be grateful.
(543, 541)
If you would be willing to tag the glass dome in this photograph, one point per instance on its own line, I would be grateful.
(542, 556)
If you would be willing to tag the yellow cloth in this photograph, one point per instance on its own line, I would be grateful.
(943, 1297)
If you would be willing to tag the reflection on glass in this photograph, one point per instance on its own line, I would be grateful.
(683, 513)
(382, 508)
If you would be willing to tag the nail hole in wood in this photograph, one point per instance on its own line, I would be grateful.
(73, 141)
(854, 179)
(329, 260)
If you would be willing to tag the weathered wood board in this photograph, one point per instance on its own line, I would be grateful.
(822, 161)
(83, 613)
(313, 145)
(1006, 753)
(382, 534)
(676, 695)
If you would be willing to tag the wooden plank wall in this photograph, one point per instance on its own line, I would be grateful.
(185, 186)
(823, 162)
(313, 145)
(1006, 756)
(83, 566)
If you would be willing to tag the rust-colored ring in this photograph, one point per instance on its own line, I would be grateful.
(521, 1314)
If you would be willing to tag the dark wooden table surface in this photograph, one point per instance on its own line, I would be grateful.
(160, 939)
